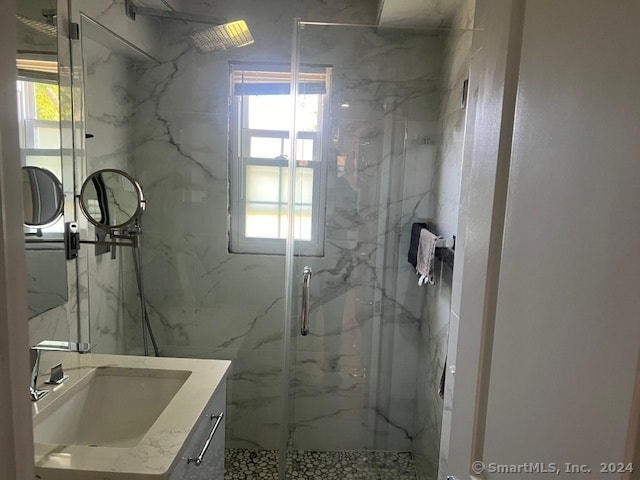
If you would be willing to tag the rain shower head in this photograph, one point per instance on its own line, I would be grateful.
(220, 36)
(42, 27)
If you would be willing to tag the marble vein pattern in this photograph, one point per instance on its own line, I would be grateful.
(208, 302)
(109, 80)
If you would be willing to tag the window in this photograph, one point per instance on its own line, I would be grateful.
(39, 121)
(259, 164)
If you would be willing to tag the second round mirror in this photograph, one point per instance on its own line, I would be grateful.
(111, 199)
(42, 196)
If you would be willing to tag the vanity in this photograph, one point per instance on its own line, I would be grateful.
(126, 417)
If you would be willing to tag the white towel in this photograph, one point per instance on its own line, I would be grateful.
(426, 253)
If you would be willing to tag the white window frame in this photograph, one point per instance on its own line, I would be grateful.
(30, 151)
(240, 136)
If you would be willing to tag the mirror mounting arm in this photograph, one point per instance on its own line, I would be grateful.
(118, 241)
(72, 240)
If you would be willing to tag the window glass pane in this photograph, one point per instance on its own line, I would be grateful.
(304, 149)
(262, 220)
(45, 135)
(302, 223)
(263, 183)
(284, 221)
(269, 112)
(304, 186)
(308, 113)
(51, 163)
(266, 147)
(47, 98)
(273, 112)
(266, 215)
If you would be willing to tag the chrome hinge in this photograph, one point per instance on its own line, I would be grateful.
(74, 31)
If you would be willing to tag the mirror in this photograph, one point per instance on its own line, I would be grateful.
(41, 115)
(111, 199)
(42, 197)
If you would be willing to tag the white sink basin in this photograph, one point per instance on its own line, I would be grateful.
(122, 417)
(111, 407)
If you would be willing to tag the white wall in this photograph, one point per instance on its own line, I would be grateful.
(566, 328)
(16, 443)
(559, 305)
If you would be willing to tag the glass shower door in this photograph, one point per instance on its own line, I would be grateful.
(354, 317)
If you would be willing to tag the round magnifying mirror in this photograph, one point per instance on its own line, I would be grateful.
(42, 196)
(111, 199)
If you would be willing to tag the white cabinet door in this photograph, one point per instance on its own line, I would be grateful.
(212, 466)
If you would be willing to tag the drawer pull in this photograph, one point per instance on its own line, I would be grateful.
(205, 447)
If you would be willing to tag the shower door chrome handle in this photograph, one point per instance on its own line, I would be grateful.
(306, 278)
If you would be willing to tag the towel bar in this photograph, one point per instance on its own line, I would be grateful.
(446, 243)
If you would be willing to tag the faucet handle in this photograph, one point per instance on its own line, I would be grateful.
(57, 375)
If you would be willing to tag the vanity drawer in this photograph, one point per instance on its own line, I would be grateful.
(212, 465)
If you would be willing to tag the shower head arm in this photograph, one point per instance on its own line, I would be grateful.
(132, 10)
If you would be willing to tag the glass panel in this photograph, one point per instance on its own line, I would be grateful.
(110, 71)
(368, 372)
(39, 126)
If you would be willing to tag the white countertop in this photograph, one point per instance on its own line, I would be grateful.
(158, 449)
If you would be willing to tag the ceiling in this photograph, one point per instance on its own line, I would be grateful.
(397, 13)
(418, 13)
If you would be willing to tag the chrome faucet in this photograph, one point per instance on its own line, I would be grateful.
(57, 374)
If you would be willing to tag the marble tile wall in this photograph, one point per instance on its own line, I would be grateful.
(109, 91)
(355, 377)
(205, 302)
(445, 191)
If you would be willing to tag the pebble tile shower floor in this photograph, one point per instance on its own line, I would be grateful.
(244, 464)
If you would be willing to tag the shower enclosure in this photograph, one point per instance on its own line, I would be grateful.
(352, 379)
(359, 392)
